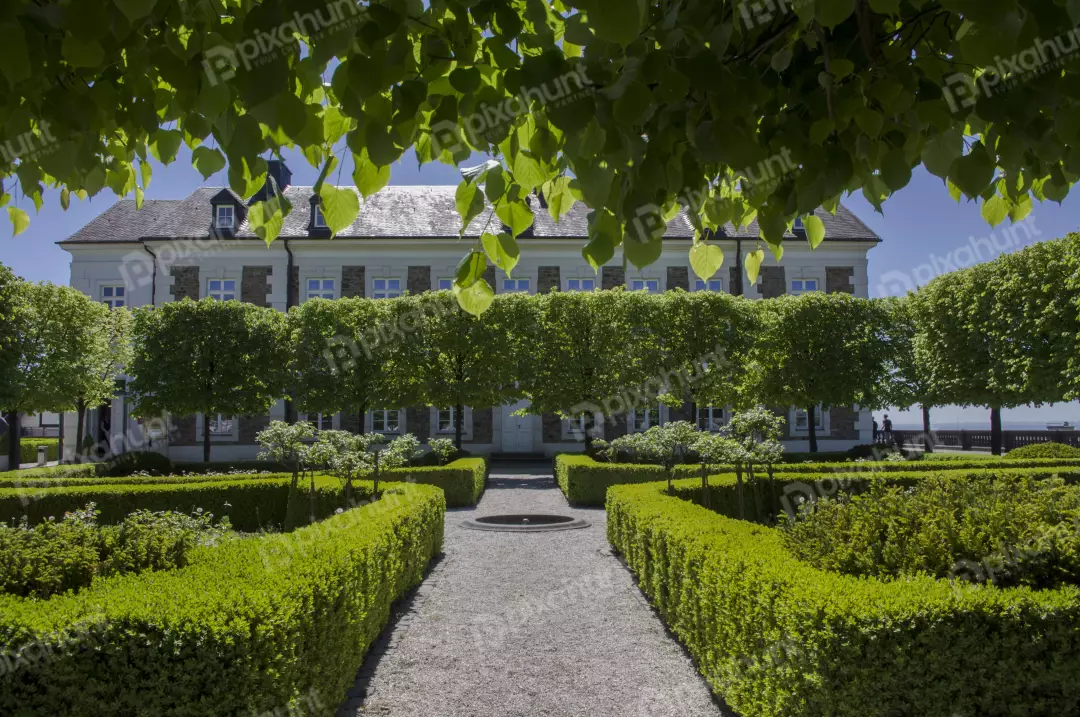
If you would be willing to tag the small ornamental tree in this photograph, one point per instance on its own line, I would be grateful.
(209, 357)
(288, 444)
(443, 448)
(665, 446)
(756, 433)
(713, 449)
(820, 349)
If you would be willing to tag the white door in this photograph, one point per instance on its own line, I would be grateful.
(517, 431)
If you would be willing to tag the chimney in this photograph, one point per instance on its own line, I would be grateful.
(279, 172)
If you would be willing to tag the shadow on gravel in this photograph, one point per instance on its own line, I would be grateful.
(496, 482)
(400, 613)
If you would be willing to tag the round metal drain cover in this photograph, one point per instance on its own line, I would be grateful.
(525, 523)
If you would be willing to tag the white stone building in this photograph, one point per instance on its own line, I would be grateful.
(406, 239)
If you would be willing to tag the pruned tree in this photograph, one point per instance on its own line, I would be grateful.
(453, 359)
(905, 384)
(287, 444)
(102, 360)
(209, 357)
(342, 360)
(1001, 334)
(58, 335)
(819, 349)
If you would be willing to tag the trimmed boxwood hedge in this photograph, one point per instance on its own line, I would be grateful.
(463, 480)
(775, 636)
(28, 448)
(251, 502)
(1043, 450)
(252, 627)
(585, 481)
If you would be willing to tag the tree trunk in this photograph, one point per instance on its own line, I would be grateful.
(927, 440)
(375, 491)
(459, 421)
(995, 431)
(811, 419)
(706, 501)
(293, 506)
(739, 491)
(752, 480)
(80, 430)
(14, 441)
(206, 438)
(588, 442)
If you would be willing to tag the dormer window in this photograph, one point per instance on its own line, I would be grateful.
(799, 225)
(224, 216)
(318, 220)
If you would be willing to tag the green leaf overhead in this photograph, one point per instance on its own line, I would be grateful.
(706, 260)
(618, 104)
(502, 250)
(340, 207)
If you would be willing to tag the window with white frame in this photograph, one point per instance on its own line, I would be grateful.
(446, 284)
(803, 286)
(386, 421)
(386, 288)
(650, 285)
(446, 422)
(221, 289)
(318, 220)
(642, 419)
(711, 418)
(114, 297)
(801, 423)
(320, 421)
(578, 426)
(511, 286)
(222, 426)
(225, 216)
(716, 285)
(321, 289)
(581, 284)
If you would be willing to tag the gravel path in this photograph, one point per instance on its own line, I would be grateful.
(525, 625)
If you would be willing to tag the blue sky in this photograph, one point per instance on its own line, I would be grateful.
(924, 233)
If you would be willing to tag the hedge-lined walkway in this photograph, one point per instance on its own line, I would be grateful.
(522, 625)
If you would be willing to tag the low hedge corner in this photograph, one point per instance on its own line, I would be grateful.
(776, 636)
(463, 480)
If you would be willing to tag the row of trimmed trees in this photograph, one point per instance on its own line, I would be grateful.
(568, 353)
(59, 351)
(1000, 335)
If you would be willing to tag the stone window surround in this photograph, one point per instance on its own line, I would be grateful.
(500, 276)
(369, 422)
(377, 273)
(222, 275)
(572, 428)
(114, 285)
(466, 429)
(325, 276)
(725, 415)
(664, 418)
(820, 414)
(307, 417)
(659, 283)
(694, 279)
(232, 437)
(803, 274)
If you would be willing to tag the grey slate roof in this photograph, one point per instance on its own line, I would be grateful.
(395, 212)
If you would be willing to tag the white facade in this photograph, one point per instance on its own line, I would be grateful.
(102, 267)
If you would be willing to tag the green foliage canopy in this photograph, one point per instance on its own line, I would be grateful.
(734, 110)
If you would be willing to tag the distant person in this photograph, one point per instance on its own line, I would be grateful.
(886, 429)
(875, 431)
